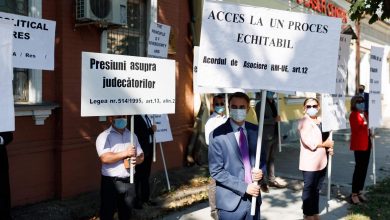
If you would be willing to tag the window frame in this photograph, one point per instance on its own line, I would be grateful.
(35, 106)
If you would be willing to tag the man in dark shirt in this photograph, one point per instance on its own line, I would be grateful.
(5, 194)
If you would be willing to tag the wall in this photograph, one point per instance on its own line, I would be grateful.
(58, 159)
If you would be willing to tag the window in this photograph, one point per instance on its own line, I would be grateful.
(27, 83)
(14, 6)
(130, 40)
(21, 76)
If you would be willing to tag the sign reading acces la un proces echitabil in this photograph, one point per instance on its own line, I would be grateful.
(33, 42)
(126, 85)
(260, 48)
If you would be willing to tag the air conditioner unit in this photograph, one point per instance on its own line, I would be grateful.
(104, 11)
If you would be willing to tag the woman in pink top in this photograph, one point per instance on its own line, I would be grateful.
(313, 157)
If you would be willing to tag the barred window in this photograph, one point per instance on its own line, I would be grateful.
(130, 40)
(21, 76)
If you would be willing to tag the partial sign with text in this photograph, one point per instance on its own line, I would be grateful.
(333, 105)
(33, 41)
(7, 112)
(375, 96)
(158, 42)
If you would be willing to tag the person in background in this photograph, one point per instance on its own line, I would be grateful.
(315, 145)
(232, 153)
(144, 129)
(270, 140)
(5, 193)
(252, 116)
(114, 148)
(216, 119)
(361, 146)
(365, 95)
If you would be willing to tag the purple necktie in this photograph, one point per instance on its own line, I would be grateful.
(245, 155)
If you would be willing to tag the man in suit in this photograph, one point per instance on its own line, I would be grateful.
(365, 95)
(144, 129)
(270, 140)
(5, 194)
(232, 153)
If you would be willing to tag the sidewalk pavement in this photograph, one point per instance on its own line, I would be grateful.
(278, 204)
(286, 203)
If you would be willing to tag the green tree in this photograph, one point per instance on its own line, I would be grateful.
(376, 8)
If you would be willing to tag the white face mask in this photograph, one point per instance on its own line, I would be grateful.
(238, 115)
(312, 111)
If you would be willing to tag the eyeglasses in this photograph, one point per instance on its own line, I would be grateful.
(219, 104)
(311, 106)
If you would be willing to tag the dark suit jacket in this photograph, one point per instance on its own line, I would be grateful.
(270, 125)
(5, 195)
(7, 137)
(142, 131)
(226, 166)
(366, 101)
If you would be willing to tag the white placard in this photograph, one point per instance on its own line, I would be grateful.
(33, 42)
(259, 48)
(126, 85)
(163, 133)
(6, 31)
(158, 40)
(333, 105)
(7, 113)
(375, 97)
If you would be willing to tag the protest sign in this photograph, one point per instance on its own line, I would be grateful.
(126, 85)
(375, 97)
(258, 48)
(163, 133)
(33, 41)
(333, 105)
(158, 40)
(7, 113)
(158, 47)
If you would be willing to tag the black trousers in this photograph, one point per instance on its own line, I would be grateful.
(362, 159)
(5, 195)
(116, 195)
(141, 179)
(313, 181)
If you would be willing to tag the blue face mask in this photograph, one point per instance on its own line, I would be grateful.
(360, 106)
(238, 115)
(219, 109)
(270, 95)
(120, 123)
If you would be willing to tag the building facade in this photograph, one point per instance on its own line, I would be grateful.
(53, 153)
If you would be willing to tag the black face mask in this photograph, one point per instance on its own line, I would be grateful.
(361, 90)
